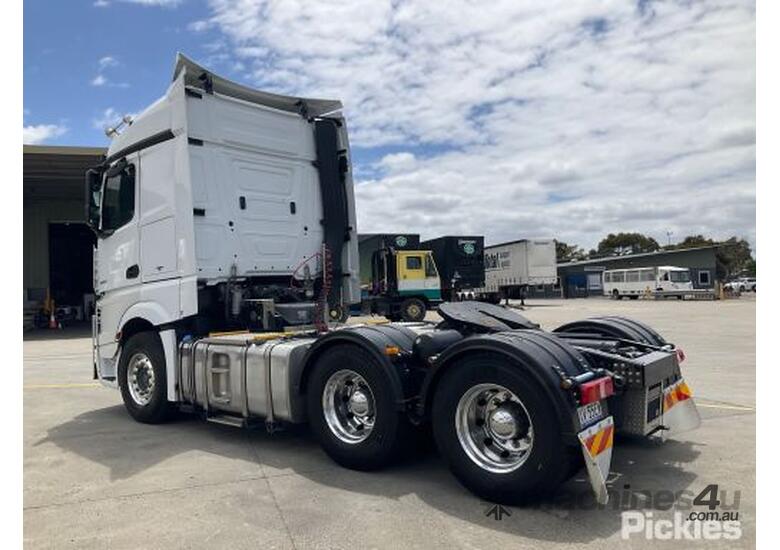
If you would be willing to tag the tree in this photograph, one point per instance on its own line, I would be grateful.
(626, 243)
(692, 241)
(736, 257)
(565, 252)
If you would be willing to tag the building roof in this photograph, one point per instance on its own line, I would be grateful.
(57, 172)
(63, 150)
(605, 259)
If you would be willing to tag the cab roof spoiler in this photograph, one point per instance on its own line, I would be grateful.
(199, 77)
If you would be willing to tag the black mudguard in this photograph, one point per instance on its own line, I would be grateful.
(542, 355)
(615, 327)
(375, 339)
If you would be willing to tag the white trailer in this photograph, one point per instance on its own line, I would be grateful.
(222, 208)
(510, 267)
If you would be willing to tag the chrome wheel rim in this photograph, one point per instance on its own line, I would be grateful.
(494, 428)
(140, 378)
(349, 406)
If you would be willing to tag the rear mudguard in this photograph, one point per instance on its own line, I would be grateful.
(615, 327)
(376, 339)
(546, 358)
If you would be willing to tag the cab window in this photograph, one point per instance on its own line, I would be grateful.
(430, 267)
(118, 197)
(413, 262)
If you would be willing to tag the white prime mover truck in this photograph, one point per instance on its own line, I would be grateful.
(223, 208)
(511, 267)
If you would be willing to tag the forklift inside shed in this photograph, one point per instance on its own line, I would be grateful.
(57, 244)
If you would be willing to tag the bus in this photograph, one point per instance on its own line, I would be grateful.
(655, 281)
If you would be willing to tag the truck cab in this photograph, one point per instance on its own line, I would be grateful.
(221, 207)
(404, 284)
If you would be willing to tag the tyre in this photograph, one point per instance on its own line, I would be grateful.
(339, 314)
(352, 412)
(413, 309)
(616, 294)
(742, 288)
(497, 431)
(634, 297)
(142, 378)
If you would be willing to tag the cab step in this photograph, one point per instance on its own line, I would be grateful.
(227, 420)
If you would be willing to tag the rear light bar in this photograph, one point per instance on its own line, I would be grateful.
(596, 390)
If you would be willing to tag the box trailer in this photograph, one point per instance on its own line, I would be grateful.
(223, 208)
(459, 260)
(513, 266)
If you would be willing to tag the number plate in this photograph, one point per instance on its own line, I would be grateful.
(590, 413)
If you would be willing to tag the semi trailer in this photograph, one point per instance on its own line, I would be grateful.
(459, 260)
(514, 266)
(222, 208)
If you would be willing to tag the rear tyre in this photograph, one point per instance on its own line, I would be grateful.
(413, 310)
(142, 378)
(352, 412)
(498, 433)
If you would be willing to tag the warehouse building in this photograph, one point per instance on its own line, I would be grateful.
(57, 244)
(584, 278)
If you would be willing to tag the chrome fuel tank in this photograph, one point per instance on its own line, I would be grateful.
(244, 376)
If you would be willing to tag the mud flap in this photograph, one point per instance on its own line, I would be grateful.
(680, 412)
(596, 442)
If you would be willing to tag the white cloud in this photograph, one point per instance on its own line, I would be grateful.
(398, 162)
(107, 61)
(39, 133)
(99, 80)
(199, 26)
(101, 3)
(520, 119)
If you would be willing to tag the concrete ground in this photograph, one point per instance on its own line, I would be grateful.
(94, 478)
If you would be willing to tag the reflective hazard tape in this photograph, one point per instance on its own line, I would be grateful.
(675, 394)
(600, 441)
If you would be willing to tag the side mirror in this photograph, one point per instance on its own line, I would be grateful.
(92, 199)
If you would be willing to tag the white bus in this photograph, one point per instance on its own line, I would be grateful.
(662, 280)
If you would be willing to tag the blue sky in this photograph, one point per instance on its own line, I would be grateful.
(64, 43)
(510, 119)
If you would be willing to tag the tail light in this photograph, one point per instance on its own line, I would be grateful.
(596, 390)
(680, 355)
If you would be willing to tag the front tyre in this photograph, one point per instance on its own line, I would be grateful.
(413, 310)
(142, 378)
(351, 408)
(498, 433)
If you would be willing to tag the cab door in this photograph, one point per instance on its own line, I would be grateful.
(117, 247)
(432, 279)
(411, 273)
(118, 280)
